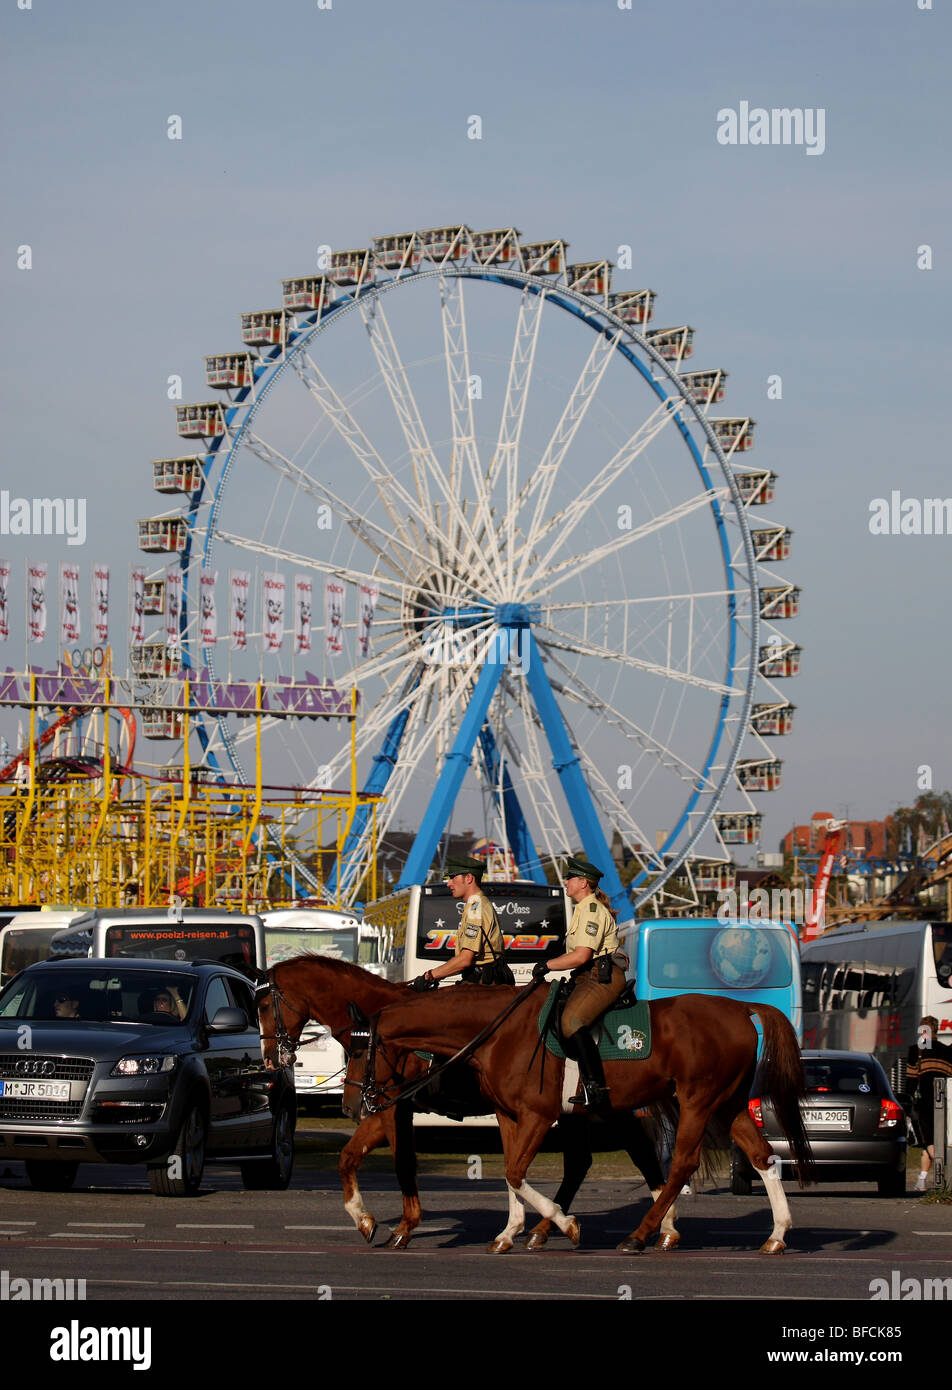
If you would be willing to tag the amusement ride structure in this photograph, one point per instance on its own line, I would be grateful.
(546, 544)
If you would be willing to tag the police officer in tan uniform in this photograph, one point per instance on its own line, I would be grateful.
(479, 941)
(598, 966)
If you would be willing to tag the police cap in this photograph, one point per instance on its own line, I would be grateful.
(581, 868)
(462, 864)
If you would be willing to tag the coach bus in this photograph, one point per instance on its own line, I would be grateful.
(865, 988)
(234, 938)
(417, 926)
(755, 962)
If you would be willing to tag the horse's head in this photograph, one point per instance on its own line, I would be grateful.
(281, 1021)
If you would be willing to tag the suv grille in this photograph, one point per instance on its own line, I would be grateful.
(50, 1069)
(63, 1068)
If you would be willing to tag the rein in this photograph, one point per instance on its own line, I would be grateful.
(371, 1095)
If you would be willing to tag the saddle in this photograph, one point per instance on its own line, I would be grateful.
(623, 1034)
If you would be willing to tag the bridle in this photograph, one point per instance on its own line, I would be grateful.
(287, 1053)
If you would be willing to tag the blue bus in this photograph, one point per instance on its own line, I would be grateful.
(753, 961)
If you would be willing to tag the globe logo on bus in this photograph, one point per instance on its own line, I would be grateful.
(741, 956)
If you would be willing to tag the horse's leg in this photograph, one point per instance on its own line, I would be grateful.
(521, 1142)
(745, 1133)
(644, 1156)
(517, 1212)
(684, 1161)
(576, 1161)
(404, 1161)
(368, 1134)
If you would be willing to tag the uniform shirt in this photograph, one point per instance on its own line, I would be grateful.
(592, 926)
(478, 926)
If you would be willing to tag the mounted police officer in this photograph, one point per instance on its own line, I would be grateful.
(598, 969)
(479, 940)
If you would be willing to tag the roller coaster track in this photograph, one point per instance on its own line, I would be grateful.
(903, 900)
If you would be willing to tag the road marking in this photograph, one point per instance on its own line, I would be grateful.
(105, 1225)
(17, 1223)
(212, 1226)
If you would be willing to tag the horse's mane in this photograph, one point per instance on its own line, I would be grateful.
(335, 965)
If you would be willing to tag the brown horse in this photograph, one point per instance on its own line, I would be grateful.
(322, 988)
(703, 1047)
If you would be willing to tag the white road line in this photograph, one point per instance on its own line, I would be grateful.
(106, 1225)
(933, 1233)
(212, 1226)
(17, 1223)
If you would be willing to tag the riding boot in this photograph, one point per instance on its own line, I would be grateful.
(591, 1069)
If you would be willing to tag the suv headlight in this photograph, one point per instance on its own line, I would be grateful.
(144, 1066)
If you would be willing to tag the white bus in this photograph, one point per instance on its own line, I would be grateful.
(865, 988)
(26, 937)
(157, 933)
(417, 929)
(321, 1062)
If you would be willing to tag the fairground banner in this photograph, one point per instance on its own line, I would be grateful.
(334, 617)
(173, 607)
(37, 583)
(69, 604)
(136, 606)
(209, 612)
(101, 604)
(274, 594)
(4, 609)
(369, 593)
(303, 601)
(240, 588)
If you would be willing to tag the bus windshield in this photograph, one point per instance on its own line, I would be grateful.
(286, 943)
(232, 943)
(942, 950)
(22, 946)
(718, 957)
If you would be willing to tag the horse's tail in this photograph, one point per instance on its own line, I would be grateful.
(781, 1081)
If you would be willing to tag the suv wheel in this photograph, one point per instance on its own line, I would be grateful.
(274, 1172)
(892, 1185)
(742, 1182)
(180, 1174)
(51, 1177)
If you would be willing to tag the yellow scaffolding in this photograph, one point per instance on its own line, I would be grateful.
(211, 846)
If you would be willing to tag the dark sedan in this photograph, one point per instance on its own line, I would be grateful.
(149, 1062)
(856, 1127)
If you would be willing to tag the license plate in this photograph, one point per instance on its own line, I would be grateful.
(826, 1119)
(309, 1080)
(35, 1090)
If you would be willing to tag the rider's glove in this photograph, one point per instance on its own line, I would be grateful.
(421, 984)
(540, 969)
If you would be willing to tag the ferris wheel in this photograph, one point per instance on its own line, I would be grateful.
(550, 582)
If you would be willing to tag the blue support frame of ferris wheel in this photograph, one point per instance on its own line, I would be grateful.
(518, 835)
(513, 638)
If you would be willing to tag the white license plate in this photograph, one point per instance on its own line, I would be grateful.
(826, 1119)
(302, 1080)
(35, 1090)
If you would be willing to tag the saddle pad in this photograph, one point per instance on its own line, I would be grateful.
(625, 1034)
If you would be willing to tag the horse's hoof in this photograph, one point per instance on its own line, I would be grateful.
(772, 1247)
(398, 1241)
(536, 1241)
(631, 1246)
(499, 1246)
(573, 1231)
(669, 1241)
(367, 1228)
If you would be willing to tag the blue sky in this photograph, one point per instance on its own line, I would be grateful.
(304, 126)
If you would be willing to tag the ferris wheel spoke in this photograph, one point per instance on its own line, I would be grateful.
(423, 460)
(458, 377)
(665, 756)
(564, 522)
(387, 486)
(583, 603)
(289, 557)
(376, 538)
(545, 475)
(578, 647)
(505, 457)
(572, 568)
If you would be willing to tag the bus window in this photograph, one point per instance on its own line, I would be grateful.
(714, 957)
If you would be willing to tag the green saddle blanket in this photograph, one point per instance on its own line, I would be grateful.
(625, 1033)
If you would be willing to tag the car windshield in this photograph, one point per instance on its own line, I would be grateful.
(842, 1077)
(99, 996)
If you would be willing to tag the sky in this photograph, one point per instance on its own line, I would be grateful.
(304, 125)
